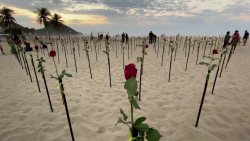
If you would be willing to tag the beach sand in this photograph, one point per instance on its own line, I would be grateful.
(171, 108)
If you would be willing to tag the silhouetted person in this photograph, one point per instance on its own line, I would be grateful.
(245, 37)
(226, 39)
(28, 48)
(150, 37)
(123, 36)
(126, 36)
(107, 37)
(235, 40)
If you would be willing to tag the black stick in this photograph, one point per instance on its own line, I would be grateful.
(123, 57)
(230, 54)
(58, 53)
(75, 58)
(162, 54)
(109, 70)
(128, 51)
(176, 49)
(170, 67)
(24, 64)
(158, 50)
(197, 54)
(96, 53)
(32, 62)
(217, 73)
(187, 58)
(116, 48)
(203, 97)
(89, 65)
(66, 109)
(66, 57)
(205, 50)
(28, 67)
(222, 65)
(140, 81)
(46, 87)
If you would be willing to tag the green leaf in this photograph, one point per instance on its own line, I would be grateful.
(120, 121)
(125, 117)
(213, 66)
(63, 72)
(153, 135)
(68, 75)
(61, 76)
(140, 139)
(203, 63)
(39, 70)
(139, 120)
(214, 59)
(131, 86)
(135, 104)
(142, 127)
(141, 133)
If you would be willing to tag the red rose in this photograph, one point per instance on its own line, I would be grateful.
(171, 41)
(130, 71)
(25, 43)
(215, 51)
(229, 44)
(52, 53)
(142, 41)
(86, 42)
(36, 47)
(108, 42)
(18, 42)
(146, 46)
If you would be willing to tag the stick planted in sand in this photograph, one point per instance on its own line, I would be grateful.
(74, 52)
(60, 85)
(138, 130)
(42, 70)
(189, 46)
(27, 66)
(87, 53)
(107, 53)
(164, 43)
(210, 68)
(172, 50)
(32, 62)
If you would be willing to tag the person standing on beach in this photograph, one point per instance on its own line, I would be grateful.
(126, 35)
(107, 37)
(226, 39)
(150, 37)
(123, 36)
(245, 37)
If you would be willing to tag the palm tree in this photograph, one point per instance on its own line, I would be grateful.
(43, 16)
(56, 21)
(6, 17)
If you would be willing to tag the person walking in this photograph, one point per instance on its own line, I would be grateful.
(150, 37)
(226, 39)
(126, 36)
(235, 40)
(123, 36)
(245, 37)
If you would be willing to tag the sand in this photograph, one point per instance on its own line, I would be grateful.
(171, 108)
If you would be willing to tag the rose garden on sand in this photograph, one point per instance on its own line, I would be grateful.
(137, 128)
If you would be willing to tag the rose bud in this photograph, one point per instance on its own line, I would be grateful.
(52, 53)
(36, 47)
(215, 51)
(130, 71)
(86, 42)
(229, 44)
(146, 46)
(171, 41)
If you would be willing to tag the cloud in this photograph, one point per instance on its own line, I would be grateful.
(145, 23)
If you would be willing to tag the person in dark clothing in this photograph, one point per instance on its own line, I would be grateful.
(126, 36)
(16, 38)
(245, 37)
(123, 36)
(107, 37)
(150, 37)
(28, 48)
(226, 39)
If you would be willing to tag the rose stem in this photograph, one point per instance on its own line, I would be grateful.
(32, 62)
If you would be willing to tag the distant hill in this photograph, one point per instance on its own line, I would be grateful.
(62, 30)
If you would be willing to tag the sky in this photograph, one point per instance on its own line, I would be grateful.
(139, 17)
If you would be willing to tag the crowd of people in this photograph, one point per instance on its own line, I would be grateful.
(235, 38)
